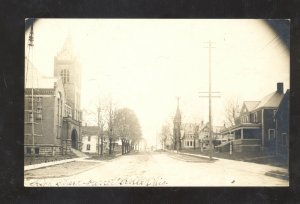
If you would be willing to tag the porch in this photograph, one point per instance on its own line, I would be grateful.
(245, 137)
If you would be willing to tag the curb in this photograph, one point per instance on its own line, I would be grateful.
(42, 165)
(281, 175)
(65, 175)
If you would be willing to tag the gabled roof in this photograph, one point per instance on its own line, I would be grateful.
(270, 101)
(285, 98)
(191, 127)
(90, 130)
(215, 129)
(34, 79)
(66, 52)
(251, 105)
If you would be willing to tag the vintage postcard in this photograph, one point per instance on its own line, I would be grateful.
(156, 102)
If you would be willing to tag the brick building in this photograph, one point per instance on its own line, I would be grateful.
(52, 115)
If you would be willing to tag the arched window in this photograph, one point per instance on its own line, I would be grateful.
(65, 75)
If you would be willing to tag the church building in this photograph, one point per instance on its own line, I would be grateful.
(52, 113)
(177, 128)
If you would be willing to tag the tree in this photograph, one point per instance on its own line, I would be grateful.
(165, 134)
(231, 111)
(196, 134)
(102, 121)
(127, 127)
(111, 117)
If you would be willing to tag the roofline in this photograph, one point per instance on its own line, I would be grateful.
(241, 126)
(280, 104)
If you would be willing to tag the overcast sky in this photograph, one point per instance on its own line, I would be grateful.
(145, 64)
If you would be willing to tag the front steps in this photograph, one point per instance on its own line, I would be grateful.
(78, 153)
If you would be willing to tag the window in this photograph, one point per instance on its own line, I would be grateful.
(284, 137)
(89, 138)
(36, 150)
(65, 75)
(39, 112)
(271, 134)
(28, 150)
(30, 117)
(255, 117)
(274, 113)
(88, 147)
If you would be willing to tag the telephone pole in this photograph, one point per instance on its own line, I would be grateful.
(209, 97)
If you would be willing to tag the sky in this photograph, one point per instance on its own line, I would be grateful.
(144, 64)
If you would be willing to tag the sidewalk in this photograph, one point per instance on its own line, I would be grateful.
(280, 172)
(253, 157)
(41, 165)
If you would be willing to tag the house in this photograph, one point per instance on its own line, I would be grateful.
(190, 135)
(204, 134)
(90, 139)
(255, 127)
(282, 126)
(52, 114)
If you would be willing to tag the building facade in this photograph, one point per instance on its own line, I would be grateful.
(52, 115)
(190, 135)
(67, 67)
(282, 126)
(255, 128)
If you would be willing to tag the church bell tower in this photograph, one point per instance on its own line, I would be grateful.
(67, 67)
(177, 127)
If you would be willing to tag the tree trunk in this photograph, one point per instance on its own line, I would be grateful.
(98, 145)
(122, 146)
(110, 145)
(101, 153)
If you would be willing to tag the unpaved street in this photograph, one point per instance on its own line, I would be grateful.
(156, 169)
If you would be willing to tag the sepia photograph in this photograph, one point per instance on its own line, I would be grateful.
(156, 102)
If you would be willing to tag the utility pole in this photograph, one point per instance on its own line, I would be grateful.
(30, 45)
(99, 126)
(209, 97)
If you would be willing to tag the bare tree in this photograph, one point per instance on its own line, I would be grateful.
(231, 111)
(165, 134)
(196, 134)
(102, 121)
(111, 136)
(127, 127)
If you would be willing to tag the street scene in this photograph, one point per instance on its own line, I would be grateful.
(156, 102)
(155, 169)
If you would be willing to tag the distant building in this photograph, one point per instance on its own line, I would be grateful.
(177, 129)
(255, 127)
(282, 126)
(54, 125)
(90, 139)
(216, 134)
(91, 142)
(190, 135)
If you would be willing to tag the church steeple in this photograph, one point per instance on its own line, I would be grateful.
(67, 51)
(177, 118)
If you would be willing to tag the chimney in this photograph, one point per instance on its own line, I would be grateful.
(280, 88)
